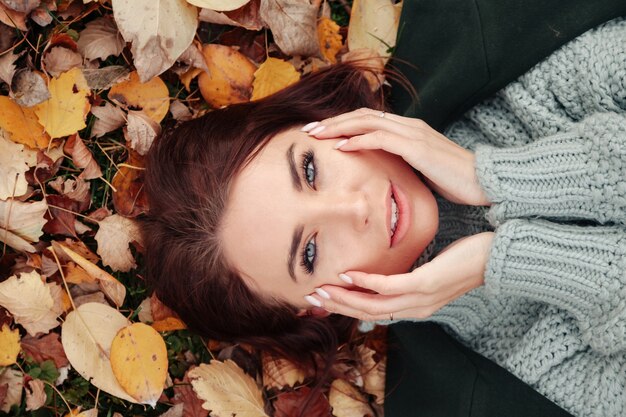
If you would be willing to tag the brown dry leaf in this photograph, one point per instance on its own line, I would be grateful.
(61, 217)
(24, 6)
(159, 310)
(14, 162)
(329, 39)
(347, 401)
(246, 16)
(180, 111)
(168, 324)
(114, 237)
(374, 25)
(293, 24)
(82, 157)
(219, 5)
(7, 67)
(22, 124)
(174, 411)
(165, 30)
(227, 390)
(96, 297)
(41, 15)
(139, 362)
(22, 219)
(279, 372)
(230, 76)
(44, 348)
(104, 78)
(15, 382)
(35, 395)
(152, 97)
(76, 189)
(29, 88)
(30, 301)
(9, 345)
(273, 75)
(287, 404)
(184, 394)
(59, 60)
(115, 290)
(64, 113)
(141, 131)
(108, 118)
(100, 39)
(191, 58)
(373, 373)
(129, 199)
(87, 334)
(13, 18)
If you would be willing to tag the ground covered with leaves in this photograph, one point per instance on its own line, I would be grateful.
(85, 87)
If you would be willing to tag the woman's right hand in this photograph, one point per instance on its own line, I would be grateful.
(448, 168)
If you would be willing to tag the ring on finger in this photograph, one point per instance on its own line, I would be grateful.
(382, 114)
(390, 316)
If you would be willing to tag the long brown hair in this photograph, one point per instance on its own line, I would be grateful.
(188, 172)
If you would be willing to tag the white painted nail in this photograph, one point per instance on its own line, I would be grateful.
(309, 126)
(317, 130)
(313, 300)
(340, 143)
(322, 293)
(345, 278)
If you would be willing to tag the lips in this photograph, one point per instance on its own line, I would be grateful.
(404, 217)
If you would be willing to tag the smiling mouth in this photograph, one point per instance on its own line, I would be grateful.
(394, 215)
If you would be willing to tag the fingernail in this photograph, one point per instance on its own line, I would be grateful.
(317, 130)
(309, 126)
(322, 293)
(313, 300)
(340, 143)
(345, 278)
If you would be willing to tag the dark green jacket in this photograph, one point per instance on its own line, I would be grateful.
(464, 51)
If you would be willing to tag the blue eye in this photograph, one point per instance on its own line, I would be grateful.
(308, 256)
(308, 168)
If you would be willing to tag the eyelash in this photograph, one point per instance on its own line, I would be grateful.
(309, 265)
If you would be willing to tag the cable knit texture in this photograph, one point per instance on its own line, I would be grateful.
(551, 155)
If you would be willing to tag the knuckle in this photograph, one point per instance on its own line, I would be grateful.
(364, 111)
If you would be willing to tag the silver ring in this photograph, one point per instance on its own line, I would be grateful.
(382, 114)
(390, 316)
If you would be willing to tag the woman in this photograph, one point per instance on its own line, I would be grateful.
(204, 227)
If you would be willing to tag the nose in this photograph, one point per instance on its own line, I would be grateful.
(341, 208)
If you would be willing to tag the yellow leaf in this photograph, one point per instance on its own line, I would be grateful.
(329, 38)
(64, 112)
(273, 75)
(230, 76)
(227, 390)
(152, 96)
(9, 345)
(139, 362)
(22, 125)
(347, 401)
(168, 324)
(374, 25)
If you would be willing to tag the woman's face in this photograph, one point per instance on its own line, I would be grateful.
(300, 213)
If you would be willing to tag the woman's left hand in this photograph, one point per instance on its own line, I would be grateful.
(456, 270)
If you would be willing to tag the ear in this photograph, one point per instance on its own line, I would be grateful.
(313, 311)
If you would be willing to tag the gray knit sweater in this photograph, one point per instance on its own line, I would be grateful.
(551, 155)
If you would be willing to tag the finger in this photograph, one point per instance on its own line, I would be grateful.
(360, 125)
(394, 284)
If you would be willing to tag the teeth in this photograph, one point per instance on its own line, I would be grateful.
(394, 215)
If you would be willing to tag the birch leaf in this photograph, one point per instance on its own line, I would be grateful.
(7, 67)
(374, 25)
(329, 39)
(87, 335)
(9, 345)
(14, 162)
(293, 24)
(100, 39)
(35, 395)
(23, 218)
(108, 118)
(272, 76)
(22, 124)
(114, 236)
(166, 28)
(152, 97)
(141, 131)
(227, 390)
(15, 381)
(139, 362)
(82, 158)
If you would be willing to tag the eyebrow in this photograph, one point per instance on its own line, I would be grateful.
(297, 234)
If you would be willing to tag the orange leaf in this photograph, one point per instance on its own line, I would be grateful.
(272, 76)
(129, 199)
(329, 39)
(152, 96)
(168, 324)
(21, 123)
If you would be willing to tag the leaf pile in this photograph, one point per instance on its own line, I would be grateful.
(85, 86)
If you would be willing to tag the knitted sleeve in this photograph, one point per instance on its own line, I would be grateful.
(581, 269)
(577, 174)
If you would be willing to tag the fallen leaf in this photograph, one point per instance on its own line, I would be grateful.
(64, 113)
(30, 302)
(246, 16)
(180, 111)
(191, 58)
(44, 348)
(230, 76)
(12, 18)
(61, 215)
(23, 219)
(226, 389)
(14, 162)
(108, 118)
(82, 157)
(168, 324)
(273, 75)
(185, 395)
(114, 237)
(9, 345)
(174, 411)
(288, 404)
(15, 382)
(129, 198)
(165, 30)
(139, 362)
(7, 67)
(219, 5)
(373, 372)
(293, 24)
(41, 15)
(22, 124)
(87, 334)
(24, 6)
(29, 88)
(104, 78)
(100, 39)
(329, 39)
(96, 297)
(374, 26)
(141, 131)
(152, 97)
(35, 395)
(347, 401)
(59, 60)
(76, 189)
(279, 372)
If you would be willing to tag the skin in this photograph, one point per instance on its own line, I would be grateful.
(346, 212)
